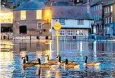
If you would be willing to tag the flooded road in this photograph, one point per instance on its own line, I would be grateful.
(97, 51)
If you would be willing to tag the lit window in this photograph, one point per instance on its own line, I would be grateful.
(80, 22)
(23, 15)
(111, 8)
(38, 14)
(62, 21)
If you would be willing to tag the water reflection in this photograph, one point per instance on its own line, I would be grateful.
(6, 64)
(97, 51)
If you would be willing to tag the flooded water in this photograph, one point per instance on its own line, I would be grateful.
(97, 51)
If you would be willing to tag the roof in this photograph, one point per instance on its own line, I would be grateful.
(70, 12)
(31, 5)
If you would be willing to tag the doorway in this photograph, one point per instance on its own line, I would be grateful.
(23, 29)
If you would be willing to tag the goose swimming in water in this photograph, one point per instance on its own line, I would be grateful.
(70, 64)
(90, 63)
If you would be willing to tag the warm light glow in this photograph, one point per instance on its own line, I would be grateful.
(6, 17)
(6, 59)
(47, 15)
(38, 14)
(23, 15)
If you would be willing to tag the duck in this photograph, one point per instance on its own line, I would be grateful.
(87, 64)
(70, 64)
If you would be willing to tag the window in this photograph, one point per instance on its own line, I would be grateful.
(39, 26)
(108, 9)
(62, 21)
(62, 32)
(108, 20)
(77, 32)
(23, 15)
(38, 14)
(111, 8)
(111, 19)
(105, 20)
(70, 33)
(80, 22)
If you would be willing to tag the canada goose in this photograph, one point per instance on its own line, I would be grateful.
(90, 63)
(52, 61)
(70, 64)
(30, 63)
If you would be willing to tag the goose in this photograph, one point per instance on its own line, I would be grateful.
(27, 63)
(90, 63)
(52, 61)
(70, 64)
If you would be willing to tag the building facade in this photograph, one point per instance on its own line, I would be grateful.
(6, 20)
(74, 21)
(96, 9)
(32, 20)
(109, 18)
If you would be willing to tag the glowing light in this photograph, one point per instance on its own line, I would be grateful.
(47, 15)
(23, 15)
(6, 17)
(38, 14)
(6, 59)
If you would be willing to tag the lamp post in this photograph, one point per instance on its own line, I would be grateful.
(57, 27)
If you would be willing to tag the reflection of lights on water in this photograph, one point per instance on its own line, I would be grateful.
(95, 50)
(48, 74)
(97, 68)
(6, 59)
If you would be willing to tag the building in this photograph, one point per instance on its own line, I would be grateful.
(74, 19)
(96, 9)
(32, 20)
(65, 2)
(109, 18)
(6, 20)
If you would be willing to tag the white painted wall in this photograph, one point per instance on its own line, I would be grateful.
(73, 23)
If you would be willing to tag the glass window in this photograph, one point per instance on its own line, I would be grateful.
(111, 19)
(80, 22)
(38, 14)
(62, 21)
(62, 32)
(70, 33)
(111, 8)
(23, 15)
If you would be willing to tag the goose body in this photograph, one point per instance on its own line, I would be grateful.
(91, 63)
(70, 64)
(45, 66)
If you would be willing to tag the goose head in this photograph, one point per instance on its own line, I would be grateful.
(47, 57)
(39, 61)
(86, 57)
(24, 60)
(59, 58)
(27, 59)
(66, 61)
